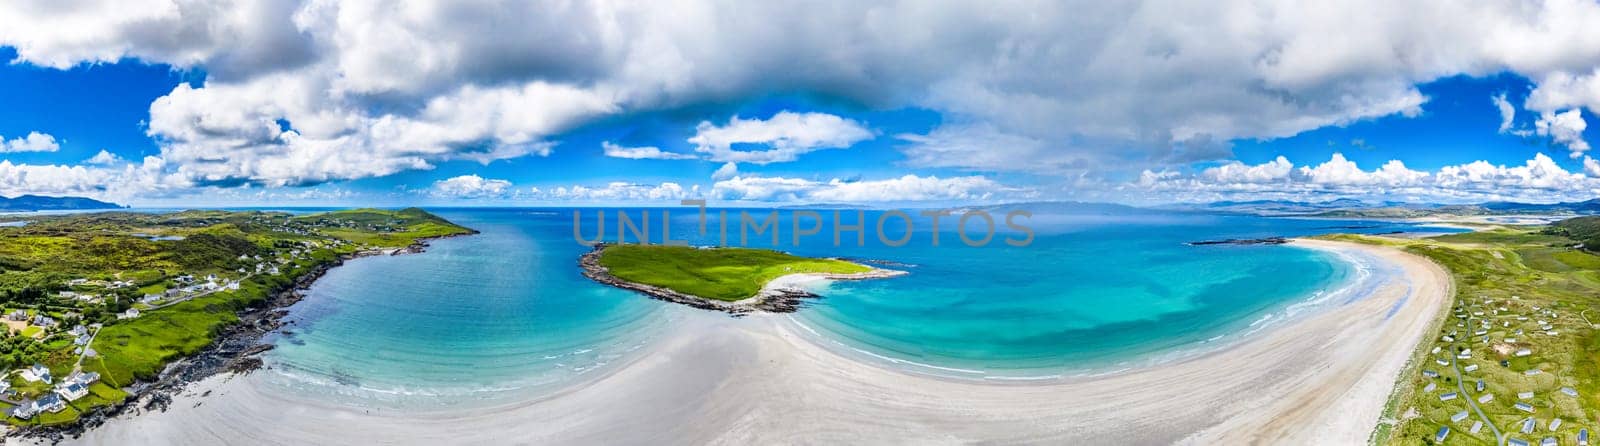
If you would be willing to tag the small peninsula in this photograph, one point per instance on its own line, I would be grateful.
(734, 280)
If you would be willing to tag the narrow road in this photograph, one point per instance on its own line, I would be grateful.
(78, 366)
(1461, 385)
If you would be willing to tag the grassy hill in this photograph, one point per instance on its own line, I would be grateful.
(727, 274)
(1584, 230)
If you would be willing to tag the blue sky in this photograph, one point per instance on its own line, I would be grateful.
(298, 105)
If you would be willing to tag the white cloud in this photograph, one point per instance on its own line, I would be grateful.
(728, 170)
(1508, 113)
(786, 136)
(470, 186)
(1539, 179)
(983, 147)
(639, 153)
(104, 158)
(1539, 173)
(120, 183)
(1237, 172)
(755, 188)
(1565, 129)
(272, 131)
(905, 188)
(34, 142)
(1567, 89)
(1338, 171)
(306, 91)
(618, 192)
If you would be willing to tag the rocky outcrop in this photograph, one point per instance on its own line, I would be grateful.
(1242, 241)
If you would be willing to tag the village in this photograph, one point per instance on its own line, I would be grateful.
(1487, 364)
(37, 389)
(96, 303)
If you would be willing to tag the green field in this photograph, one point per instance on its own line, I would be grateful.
(382, 228)
(1507, 280)
(727, 274)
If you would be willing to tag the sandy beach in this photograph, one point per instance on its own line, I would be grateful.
(1320, 379)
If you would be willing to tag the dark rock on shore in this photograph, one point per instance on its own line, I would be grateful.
(1242, 241)
(775, 301)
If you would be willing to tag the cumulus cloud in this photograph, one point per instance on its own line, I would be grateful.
(1564, 129)
(470, 186)
(306, 91)
(618, 192)
(905, 188)
(34, 142)
(103, 158)
(1237, 172)
(728, 170)
(1539, 179)
(1338, 171)
(785, 136)
(275, 131)
(120, 183)
(640, 153)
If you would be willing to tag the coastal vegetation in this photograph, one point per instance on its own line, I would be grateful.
(1517, 343)
(726, 274)
(110, 299)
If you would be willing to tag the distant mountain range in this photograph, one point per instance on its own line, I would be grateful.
(42, 203)
(1355, 208)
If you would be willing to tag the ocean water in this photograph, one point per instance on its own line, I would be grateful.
(475, 320)
(505, 315)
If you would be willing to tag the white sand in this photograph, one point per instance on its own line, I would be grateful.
(1320, 380)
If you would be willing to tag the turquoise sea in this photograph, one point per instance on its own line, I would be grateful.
(506, 315)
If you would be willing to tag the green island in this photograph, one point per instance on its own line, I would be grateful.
(1515, 357)
(726, 274)
(95, 302)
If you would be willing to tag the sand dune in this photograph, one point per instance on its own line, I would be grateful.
(1321, 379)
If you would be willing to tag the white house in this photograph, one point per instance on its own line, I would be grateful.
(72, 391)
(37, 373)
(50, 402)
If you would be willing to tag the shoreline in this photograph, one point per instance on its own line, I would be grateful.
(778, 295)
(1289, 312)
(234, 351)
(1321, 379)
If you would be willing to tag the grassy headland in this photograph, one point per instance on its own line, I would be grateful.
(142, 290)
(726, 274)
(1520, 324)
